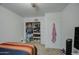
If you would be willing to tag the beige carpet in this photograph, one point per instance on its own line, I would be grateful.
(46, 51)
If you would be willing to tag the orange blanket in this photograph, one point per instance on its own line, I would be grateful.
(21, 46)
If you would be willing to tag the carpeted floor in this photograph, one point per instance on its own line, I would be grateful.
(46, 51)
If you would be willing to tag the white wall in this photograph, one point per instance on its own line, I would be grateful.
(11, 26)
(65, 23)
(70, 19)
(42, 23)
(46, 29)
(51, 18)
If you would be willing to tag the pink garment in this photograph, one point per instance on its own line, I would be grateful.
(54, 33)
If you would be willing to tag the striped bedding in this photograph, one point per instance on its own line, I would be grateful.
(20, 48)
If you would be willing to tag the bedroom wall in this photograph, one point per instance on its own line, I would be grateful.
(70, 19)
(46, 29)
(11, 26)
(51, 18)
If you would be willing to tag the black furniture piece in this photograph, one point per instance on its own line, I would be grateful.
(69, 47)
(76, 38)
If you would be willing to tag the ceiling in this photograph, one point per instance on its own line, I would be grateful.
(26, 9)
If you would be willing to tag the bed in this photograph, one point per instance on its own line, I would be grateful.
(14, 48)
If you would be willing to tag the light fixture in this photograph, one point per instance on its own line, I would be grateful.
(33, 5)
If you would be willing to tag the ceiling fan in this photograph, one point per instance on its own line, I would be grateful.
(35, 6)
